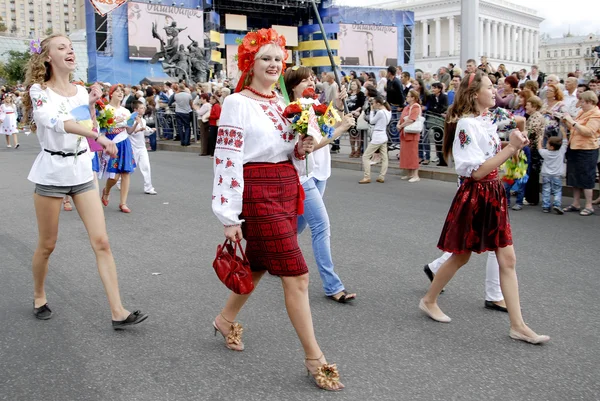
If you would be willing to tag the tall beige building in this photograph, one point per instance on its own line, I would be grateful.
(36, 18)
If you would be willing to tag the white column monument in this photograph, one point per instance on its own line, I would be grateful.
(536, 46)
(425, 38)
(451, 35)
(494, 39)
(480, 36)
(513, 43)
(438, 37)
(470, 38)
(520, 44)
(501, 45)
(488, 33)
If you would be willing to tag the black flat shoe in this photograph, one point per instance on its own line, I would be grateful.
(491, 305)
(342, 299)
(133, 318)
(430, 275)
(43, 312)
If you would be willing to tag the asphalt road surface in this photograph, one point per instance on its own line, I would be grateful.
(385, 348)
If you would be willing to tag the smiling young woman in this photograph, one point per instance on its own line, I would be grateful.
(64, 167)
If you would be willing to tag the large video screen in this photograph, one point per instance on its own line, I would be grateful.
(156, 29)
(368, 45)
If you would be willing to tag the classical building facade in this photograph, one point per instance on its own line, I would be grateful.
(508, 33)
(37, 18)
(567, 54)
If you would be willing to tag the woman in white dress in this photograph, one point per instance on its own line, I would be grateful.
(63, 167)
(8, 119)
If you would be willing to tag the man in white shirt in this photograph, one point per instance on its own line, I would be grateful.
(127, 93)
(522, 76)
(570, 93)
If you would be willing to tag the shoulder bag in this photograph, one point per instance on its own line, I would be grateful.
(232, 270)
(417, 126)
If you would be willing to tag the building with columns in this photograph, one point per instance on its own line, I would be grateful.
(560, 56)
(509, 34)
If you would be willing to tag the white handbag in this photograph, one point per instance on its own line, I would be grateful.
(417, 126)
(361, 123)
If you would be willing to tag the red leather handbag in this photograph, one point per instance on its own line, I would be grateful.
(232, 270)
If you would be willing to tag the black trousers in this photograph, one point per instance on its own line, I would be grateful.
(213, 130)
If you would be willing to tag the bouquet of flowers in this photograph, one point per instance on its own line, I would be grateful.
(515, 169)
(309, 117)
(105, 117)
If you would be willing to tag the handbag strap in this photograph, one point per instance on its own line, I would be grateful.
(238, 244)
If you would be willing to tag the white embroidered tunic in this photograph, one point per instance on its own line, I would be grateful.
(477, 139)
(50, 111)
(250, 131)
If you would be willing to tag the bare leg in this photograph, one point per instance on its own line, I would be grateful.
(588, 194)
(47, 210)
(15, 139)
(576, 197)
(91, 213)
(510, 288)
(234, 304)
(7, 140)
(442, 278)
(295, 290)
(125, 180)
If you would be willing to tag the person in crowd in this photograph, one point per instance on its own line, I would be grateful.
(382, 83)
(126, 95)
(570, 96)
(395, 94)
(485, 66)
(332, 90)
(213, 124)
(314, 183)
(550, 80)
(119, 168)
(535, 75)
(203, 107)
(532, 86)
(379, 118)
(138, 144)
(183, 108)
(437, 104)
(520, 101)
(502, 71)
(471, 66)
(8, 120)
(535, 126)
(150, 117)
(582, 155)
(417, 85)
(356, 103)
(56, 173)
(406, 83)
(444, 77)
(505, 96)
(266, 155)
(522, 76)
(409, 149)
(553, 170)
(480, 202)
(553, 110)
(428, 81)
(453, 88)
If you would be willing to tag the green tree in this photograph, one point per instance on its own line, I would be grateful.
(3, 26)
(13, 70)
(49, 31)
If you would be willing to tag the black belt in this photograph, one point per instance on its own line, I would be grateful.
(63, 154)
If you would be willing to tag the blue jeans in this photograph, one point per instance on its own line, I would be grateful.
(183, 125)
(315, 216)
(551, 185)
(518, 188)
(152, 139)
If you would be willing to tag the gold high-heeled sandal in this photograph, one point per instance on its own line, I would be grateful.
(326, 377)
(233, 340)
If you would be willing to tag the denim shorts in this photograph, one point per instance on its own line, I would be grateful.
(54, 191)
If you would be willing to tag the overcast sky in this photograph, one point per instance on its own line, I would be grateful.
(581, 15)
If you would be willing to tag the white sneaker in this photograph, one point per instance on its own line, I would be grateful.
(151, 192)
(414, 179)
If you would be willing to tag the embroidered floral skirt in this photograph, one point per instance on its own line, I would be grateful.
(270, 209)
(124, 162)
(478, 218)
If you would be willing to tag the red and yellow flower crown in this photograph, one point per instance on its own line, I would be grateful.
(251, 44)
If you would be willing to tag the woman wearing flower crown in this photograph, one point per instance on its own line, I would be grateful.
(64, 167)
(257, 193)
(478, 217)
(297, 80)
(123, 164)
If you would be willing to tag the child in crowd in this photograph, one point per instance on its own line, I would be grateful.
(138, 144)
(553, 170)
(515, 177)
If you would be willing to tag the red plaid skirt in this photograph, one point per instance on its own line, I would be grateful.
(272, 194)
(478, 218)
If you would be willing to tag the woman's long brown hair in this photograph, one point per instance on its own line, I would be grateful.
(464, 106)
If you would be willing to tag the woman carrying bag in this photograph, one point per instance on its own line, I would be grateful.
(410, 127)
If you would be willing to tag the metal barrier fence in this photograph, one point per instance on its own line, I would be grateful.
(167, 124)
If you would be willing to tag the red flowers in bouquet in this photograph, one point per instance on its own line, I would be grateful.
(292, 110)
(320, 109)
(309, 93)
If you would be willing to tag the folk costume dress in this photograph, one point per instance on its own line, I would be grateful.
(124, 162)
(478, 217)
(8, 115)
(63, 160)
(257, 184)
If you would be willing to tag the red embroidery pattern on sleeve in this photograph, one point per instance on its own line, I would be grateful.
(224, 200)
(279, 121)
(218, 161)
(464, 138)
(230, 138)
(229, 163)
(234, 183)
(220, 180)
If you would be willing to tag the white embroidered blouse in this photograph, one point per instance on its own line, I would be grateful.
(50, 111)
(249, 131)
(477, 139)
